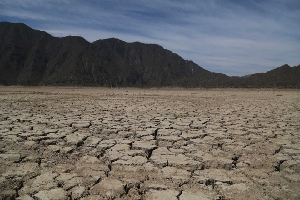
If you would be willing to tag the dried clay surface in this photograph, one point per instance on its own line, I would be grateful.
(186, 144)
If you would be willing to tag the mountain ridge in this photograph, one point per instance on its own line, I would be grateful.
(33, 57)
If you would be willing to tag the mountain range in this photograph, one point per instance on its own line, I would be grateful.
(33, 57)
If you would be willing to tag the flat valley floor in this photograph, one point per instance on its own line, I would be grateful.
(186, 144)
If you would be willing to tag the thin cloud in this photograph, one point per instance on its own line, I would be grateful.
(232, 37)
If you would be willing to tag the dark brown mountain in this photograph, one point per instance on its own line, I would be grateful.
(32, 57)
(281, 77)
(284, 76)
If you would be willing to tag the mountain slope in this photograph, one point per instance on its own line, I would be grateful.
(32, 57)
(281, 77)
(284, 76)
(22, 52)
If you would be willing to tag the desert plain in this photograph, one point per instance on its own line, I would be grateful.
(182, 144)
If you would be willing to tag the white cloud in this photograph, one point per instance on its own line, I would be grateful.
(218, 35)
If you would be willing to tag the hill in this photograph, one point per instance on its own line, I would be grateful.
(32, 57)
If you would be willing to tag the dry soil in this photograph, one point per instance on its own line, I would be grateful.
(102, 143)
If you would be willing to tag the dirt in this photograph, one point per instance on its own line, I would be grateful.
(103, 143)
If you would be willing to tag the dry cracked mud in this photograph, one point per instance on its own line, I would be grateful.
(186, 144)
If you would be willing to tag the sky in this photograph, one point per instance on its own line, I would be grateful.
(233, 37)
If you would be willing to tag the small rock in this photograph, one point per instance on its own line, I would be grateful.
(108, 188)
(8, 194)
(78, 192)
(25, 197)
(193, 196)
(54, 194)
(11, 157)
(81, 125)
(161, 195)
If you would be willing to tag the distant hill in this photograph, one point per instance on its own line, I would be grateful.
(32, 57)
(281, 77)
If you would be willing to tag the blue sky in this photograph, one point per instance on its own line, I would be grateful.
(234, 37)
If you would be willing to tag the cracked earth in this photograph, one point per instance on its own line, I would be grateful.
(99, 143)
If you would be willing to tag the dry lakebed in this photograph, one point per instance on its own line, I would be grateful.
(187, 144)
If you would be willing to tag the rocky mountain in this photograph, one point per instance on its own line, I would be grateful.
(284, 76)
(32, 57)
(281, 77)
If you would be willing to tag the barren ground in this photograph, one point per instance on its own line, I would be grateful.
(100, 143)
